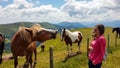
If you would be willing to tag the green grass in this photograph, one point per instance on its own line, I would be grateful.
(79, 61)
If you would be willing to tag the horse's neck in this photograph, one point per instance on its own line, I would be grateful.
(68, 32)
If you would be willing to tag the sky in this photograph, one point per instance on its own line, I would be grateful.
(55, 11)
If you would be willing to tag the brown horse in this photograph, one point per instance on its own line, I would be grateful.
(24, 42)
(71, 37)
(2, 44)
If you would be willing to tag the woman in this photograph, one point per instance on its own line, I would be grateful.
(97, 47)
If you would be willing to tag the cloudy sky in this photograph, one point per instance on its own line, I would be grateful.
(55, 11)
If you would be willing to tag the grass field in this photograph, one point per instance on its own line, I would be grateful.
(79, 61)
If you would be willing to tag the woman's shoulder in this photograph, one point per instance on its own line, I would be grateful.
(102, 38)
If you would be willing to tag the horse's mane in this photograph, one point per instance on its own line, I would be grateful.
(25, 35)
(36, 26)
(67, 31)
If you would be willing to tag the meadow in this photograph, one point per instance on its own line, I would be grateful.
(79, 61)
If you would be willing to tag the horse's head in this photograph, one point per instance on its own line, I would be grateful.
(113, 30)
(37, 33)
(46, 34)
(63, 33)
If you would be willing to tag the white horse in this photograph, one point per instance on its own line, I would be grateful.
(71, 37)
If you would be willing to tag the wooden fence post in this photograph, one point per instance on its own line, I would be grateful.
(108, 38)
(87, 45)
(115, 41)
(51, 57)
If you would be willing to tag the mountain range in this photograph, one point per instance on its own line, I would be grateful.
(71, 25)
(106, 24)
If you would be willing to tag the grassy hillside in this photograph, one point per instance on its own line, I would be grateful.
(9, 29)
(79, 61)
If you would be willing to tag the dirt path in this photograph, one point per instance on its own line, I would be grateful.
(7, 56)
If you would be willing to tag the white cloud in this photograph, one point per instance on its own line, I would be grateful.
(91, 10)
(34, 2)
(19, 4)
(0, 7)
(72, 10)
(35, 14)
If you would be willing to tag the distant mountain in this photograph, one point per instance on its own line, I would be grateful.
(71, 25)
(112, 24)
(107, 24)
(50, 26)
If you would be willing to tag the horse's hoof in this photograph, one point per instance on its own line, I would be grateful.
(35, 62)
(68, 55)
(26, 65)
(79, 52)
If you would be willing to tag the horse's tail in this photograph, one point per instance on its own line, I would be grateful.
(81, 36)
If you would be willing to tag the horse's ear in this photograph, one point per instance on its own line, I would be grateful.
(28, 30)
(63, 29)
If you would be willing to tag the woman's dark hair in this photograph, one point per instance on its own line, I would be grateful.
(101, 28)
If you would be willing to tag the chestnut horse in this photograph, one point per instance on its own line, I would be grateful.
(24, 42)
(71, 37)
(2, 44)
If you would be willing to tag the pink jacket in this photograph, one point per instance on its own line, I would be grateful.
(98, 51)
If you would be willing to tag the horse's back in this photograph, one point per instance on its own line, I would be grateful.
(117, 29)
(77, 35)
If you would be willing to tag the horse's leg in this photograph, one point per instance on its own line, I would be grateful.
(71, 47)
(79, 47)
(116, 35)
(15, 62)
(68, 49)
(35, 58)
(30, 60)
(26, 64)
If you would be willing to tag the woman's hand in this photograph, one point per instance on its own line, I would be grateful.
(90, 48)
